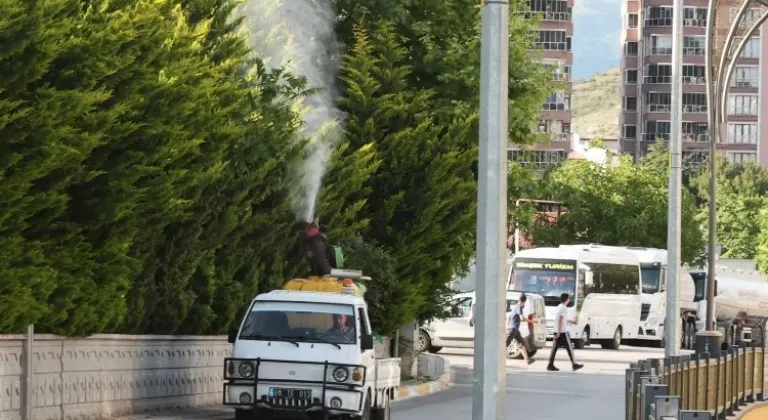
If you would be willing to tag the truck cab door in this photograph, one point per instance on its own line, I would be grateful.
(368, 356)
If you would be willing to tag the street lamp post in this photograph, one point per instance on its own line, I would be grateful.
(490, 371)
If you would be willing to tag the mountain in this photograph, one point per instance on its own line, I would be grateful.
(596, 36)
(596, 105)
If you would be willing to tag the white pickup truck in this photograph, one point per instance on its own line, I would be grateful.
(309, 352)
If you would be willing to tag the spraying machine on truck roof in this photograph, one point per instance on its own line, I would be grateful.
(308, 348)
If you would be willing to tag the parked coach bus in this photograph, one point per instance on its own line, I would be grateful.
(604, 288)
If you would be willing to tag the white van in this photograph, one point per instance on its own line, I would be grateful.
(459, 331)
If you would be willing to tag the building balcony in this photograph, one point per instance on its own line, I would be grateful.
(561, 77)
(652, 137)
(556, 106)
(660, 50)
(553, 46)
(549, 16)
(693, 80)
(694, 109)
(695, 23)
(695, 51)
(695, 138)
(657, 80)
(658, 108)
(658, 22)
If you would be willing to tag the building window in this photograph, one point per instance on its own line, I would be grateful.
(742, 105)
(741, 157)
(561, 72)
(559, 101)
(630, 103)
(694, 75)
(537, 158)
(751, 49)
(661, 44)
(552, 40)
(658, 74)
(746, 76)
(557, 10)
(630, 76)
(694, 103)
(658, 16)
(695, 131)
(629, 131)
(630, 48)
(692, 44)
(659, 102)
(632, 20)
(742, 133)
(749, 19)
(695, 16)
(656, 130)
(695, 158)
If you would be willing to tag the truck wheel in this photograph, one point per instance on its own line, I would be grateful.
(384, 411)
(366, 415)
(424, 342)
(613, 343)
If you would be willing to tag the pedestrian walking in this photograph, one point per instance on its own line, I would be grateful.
(513, 327)
(561, 337)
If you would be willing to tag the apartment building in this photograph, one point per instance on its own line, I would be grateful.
(552, 37)
(646, 88)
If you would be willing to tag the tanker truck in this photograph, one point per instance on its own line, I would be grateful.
(308, 348)
(740, 307)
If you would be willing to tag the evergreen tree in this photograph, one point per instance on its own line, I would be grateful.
(423, 197)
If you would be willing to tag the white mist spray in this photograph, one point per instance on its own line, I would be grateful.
(298, 35)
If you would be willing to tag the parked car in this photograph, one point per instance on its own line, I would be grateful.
(459, 331)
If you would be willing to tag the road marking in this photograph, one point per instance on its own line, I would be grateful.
(548, 392)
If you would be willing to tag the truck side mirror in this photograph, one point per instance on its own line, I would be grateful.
(589, 279)
(366, 342)
(232, 335)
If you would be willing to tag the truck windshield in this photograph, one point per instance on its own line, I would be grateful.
(651, 279)
(548, 278)
(310, 322)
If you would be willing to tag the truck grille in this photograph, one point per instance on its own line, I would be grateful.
(645, 310)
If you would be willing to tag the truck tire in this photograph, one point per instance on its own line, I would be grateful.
(384, 411)
(615, 342)
(366, 414)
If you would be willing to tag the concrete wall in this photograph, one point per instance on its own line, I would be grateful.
(110, 375)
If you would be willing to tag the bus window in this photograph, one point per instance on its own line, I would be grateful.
(621, 279)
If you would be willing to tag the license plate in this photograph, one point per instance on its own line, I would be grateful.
(290, 393)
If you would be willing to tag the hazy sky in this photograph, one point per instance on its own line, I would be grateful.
(597, 36)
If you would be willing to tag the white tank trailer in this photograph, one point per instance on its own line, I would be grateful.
(741, 304)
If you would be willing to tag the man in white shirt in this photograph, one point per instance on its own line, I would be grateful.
(561, 337)
(513, 327)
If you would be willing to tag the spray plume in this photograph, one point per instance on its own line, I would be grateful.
(298, 35)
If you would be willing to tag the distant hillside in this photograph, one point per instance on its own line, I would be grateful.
(596, 105)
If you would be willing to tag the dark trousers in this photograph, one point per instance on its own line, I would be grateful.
(564, 340)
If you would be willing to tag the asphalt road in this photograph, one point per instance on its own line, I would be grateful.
(532, 393)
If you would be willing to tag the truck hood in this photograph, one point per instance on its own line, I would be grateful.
(305, 352)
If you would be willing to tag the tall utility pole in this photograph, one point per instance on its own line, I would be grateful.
(671, 326)
(490, 367)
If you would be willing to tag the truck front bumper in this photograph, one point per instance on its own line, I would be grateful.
(261, 392)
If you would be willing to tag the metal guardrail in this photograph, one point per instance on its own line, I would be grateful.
(700, 386)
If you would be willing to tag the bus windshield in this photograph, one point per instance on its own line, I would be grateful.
(651, 279)
(548, 278)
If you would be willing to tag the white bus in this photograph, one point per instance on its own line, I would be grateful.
(604, 289)
(653, 269)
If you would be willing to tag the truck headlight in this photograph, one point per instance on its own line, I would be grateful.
(245, 398)
(335, 402)
(245, 369)
(340, 374)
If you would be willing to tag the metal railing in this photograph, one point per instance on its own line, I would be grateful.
(695, 108)
(692, 51)
(548, 15)
(694, 80)
(657, 80)
(700, 386)
(658, 108)
(661, 50)
(697, 138)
